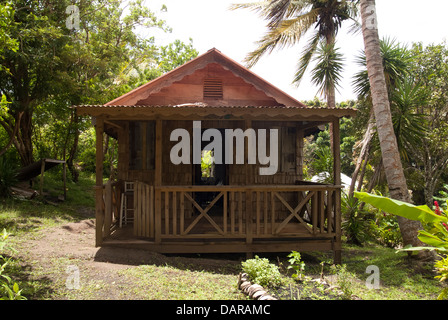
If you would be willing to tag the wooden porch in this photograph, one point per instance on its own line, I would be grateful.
(256, 218)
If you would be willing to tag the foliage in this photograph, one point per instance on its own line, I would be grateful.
(345, 280)
(323, 163)
(435, 223)
(327, 72)
(429, 69)
(396, 61)
(442, 269)
(409, 124)
(55, 67)
(443, 196)
(354, 223)
(8, 176)
(262, 272)
(9, 290)
(207, 163)
(289, 21)
(6, 22)
(421, 213)
(387, 230)
(297, 265)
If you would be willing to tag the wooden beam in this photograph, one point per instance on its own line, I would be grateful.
(158, 181)
(299, 152)
(99, 213)
(64, 177)
(336, 140)
(337, 181)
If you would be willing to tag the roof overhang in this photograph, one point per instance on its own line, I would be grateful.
(202, 111)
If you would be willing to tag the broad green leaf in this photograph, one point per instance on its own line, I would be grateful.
(422, 248)
(432, 240)
(421, 213)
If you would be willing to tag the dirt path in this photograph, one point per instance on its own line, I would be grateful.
(51, 254)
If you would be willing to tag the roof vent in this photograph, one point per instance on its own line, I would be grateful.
(213, 88)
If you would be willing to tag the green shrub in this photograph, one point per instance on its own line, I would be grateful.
(355, 224)
(387, 230)
(442, 269)
(262, 272)
(435, 226)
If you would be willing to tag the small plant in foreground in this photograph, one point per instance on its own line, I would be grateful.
(8, 289)
(344, 280)
(262, 272)
(297, 265)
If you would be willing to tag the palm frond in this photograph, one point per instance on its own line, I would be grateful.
(396, 61)
(409, 125)
(306, 57)
(261, 7)
(326, 75)
(286, 9)
(288, 33)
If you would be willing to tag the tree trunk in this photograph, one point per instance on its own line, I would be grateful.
(12, 135)
(23, 141)
(381, 107)
(365, 145)
(74, 150)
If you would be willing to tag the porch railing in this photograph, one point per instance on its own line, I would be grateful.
(108, 203)
(268, 211)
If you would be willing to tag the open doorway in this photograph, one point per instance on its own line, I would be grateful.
(209, 173)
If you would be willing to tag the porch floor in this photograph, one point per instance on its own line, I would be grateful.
(295, 237)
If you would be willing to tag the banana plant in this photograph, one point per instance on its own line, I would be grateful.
(435, 232)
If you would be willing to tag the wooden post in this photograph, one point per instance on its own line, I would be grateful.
(249, 169)
(42, 171)
(299, 152)
(99, 213)
(107, 208)
(64, 177)
(336, 139)
(158, 182)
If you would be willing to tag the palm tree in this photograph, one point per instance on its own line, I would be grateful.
(396, 64)
(381, 107)
(290, 20)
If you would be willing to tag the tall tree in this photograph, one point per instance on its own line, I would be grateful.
(381, 107)
(27, 72)
(430, 71)
(67, 57)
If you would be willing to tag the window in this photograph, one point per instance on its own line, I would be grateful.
(141, 145)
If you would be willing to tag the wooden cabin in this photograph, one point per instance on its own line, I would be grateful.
(170, 207)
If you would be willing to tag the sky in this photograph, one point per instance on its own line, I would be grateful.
(211, 24)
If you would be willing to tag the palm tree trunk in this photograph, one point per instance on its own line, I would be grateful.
(365, 145)
(331, 92)
(388, 142)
